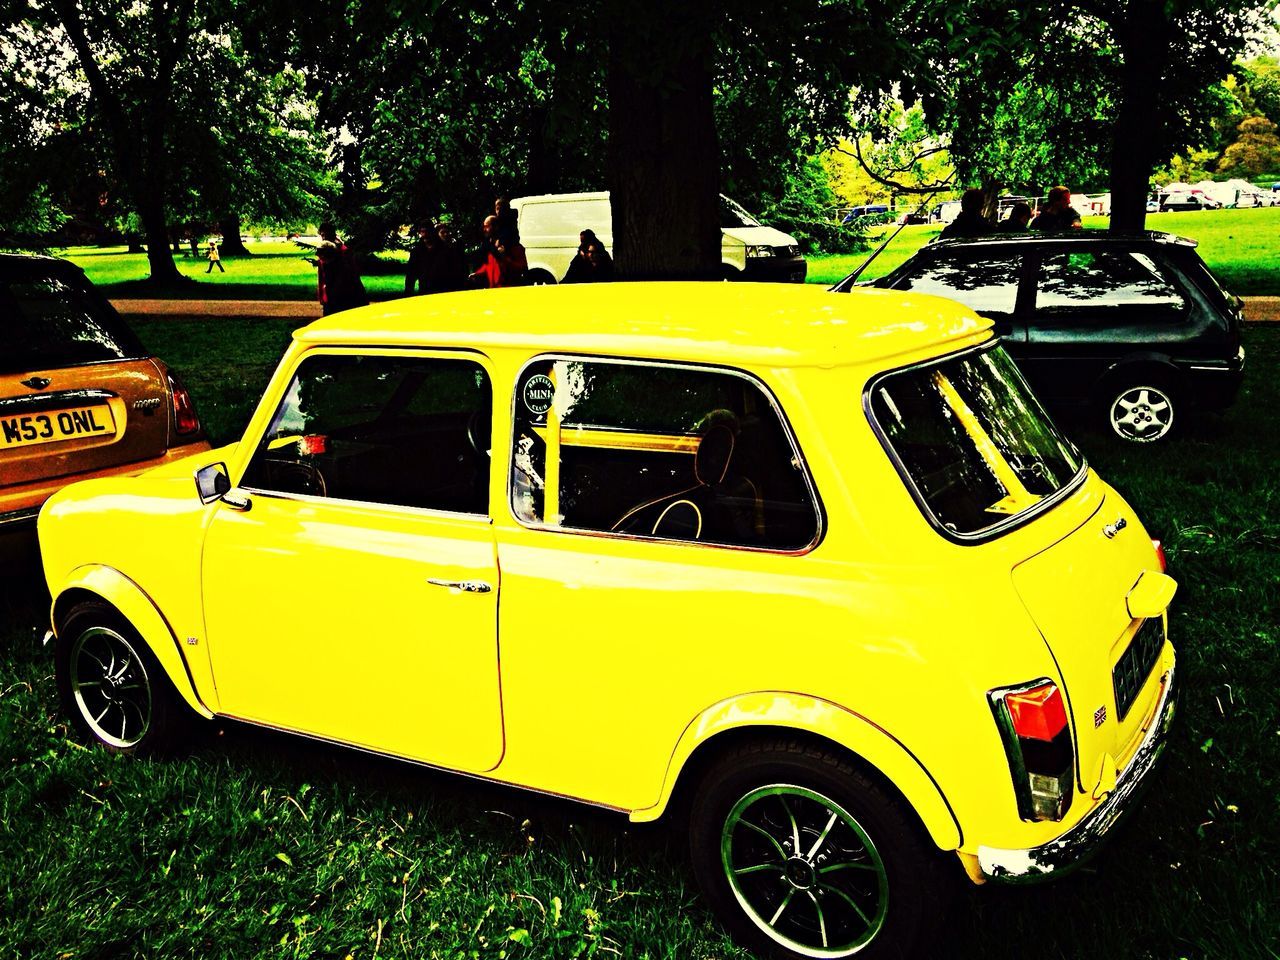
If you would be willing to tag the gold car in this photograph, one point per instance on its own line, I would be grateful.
(813, 574)
(79, 396)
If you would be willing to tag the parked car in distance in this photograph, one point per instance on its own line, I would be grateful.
(1187, 201)
(1133, 325)
(869, 213)
(550, 225)
(694, 550)
(79, 395)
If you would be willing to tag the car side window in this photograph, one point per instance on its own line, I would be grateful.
(1104, 280)
(988, 285)
(398, 430)
(655, 450)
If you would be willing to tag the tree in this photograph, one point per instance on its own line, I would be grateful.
(1256, 152)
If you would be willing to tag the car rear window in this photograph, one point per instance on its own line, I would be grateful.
(48, 321)
(973, 443)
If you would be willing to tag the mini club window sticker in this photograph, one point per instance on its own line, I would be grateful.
(539, 392)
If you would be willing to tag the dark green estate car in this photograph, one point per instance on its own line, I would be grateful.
(1132, 324)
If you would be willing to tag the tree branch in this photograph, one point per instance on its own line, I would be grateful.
(888, 182)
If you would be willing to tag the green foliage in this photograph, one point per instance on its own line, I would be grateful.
(1255, 152)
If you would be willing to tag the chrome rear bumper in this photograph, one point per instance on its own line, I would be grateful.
(1084, 839)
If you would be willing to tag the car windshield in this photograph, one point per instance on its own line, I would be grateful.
(51, 320)
(972, 440)
(733, 215)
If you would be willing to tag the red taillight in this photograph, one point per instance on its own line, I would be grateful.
(1160, 557)
(1038, 713)
(185, 420)
(313, 444)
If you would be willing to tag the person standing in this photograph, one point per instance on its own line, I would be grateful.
(214, 260)
(970, 222)
(421, 260)
(504, 263)
(1057, 214)
(337, 279)
(450, 265)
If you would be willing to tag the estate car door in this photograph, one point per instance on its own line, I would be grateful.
(1094, 306)
(350, 580)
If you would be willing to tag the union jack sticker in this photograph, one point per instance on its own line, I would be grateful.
(1099, 716)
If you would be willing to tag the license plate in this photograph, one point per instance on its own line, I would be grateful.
(29, 429)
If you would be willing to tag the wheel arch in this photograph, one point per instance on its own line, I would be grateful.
(1134, 366)
(107, 585)
(760, 715)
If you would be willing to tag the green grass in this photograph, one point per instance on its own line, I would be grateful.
(262, 845)
(274, 271)
(1241, 246)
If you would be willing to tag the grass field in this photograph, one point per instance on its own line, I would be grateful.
(261, 845)
(1241, 246)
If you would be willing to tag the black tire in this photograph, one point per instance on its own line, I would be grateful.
(107, 674)
(889, 871)
(1141, 408)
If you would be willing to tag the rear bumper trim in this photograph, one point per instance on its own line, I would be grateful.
(1083, 840)
(19, 519)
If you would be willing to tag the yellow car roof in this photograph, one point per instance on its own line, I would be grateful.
(767, 324)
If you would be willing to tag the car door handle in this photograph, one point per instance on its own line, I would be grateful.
(466, 586)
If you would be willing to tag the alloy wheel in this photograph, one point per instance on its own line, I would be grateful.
(110, 686)
(804, 871)
(1141, 414)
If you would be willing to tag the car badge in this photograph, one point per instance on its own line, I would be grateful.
(1099, 716)
(1111, 529)
(36, 383)
(146, 404)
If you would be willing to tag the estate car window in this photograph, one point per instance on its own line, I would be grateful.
(660, 451)
(405, 431)
(50, 321)
(1103, 280)
(973, 440)
(988, 285)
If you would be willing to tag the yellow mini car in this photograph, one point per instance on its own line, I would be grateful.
(813, 574)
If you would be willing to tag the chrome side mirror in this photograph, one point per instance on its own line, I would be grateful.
(212, 482)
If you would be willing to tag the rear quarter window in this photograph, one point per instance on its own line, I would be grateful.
(987, 285)
(57, 320)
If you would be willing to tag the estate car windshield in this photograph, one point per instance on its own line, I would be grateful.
(972, 440)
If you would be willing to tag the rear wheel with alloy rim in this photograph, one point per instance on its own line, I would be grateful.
(1141, 413)
(803, 855)
(112, 687)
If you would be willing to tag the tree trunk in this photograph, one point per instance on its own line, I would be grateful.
(232, 245)
(663, 154)
(156, 228)
(1144, 39)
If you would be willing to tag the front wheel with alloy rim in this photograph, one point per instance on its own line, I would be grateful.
(1141, 413)
(113, 688)
(801, 854)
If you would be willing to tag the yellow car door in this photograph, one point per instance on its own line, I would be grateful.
(350, 580)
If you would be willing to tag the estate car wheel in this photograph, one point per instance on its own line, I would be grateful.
(113, 688)
(801, 854)
(1141, 413)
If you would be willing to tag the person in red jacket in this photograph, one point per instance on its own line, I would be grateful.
(505, 263)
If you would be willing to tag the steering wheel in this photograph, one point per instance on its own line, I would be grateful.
(478, 430)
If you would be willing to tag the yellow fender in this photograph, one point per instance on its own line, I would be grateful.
(135, 606)
(815, 716)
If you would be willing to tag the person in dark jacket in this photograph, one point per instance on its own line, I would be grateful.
(1017, 220)
(338, 280)
(579, 264)
(1057, 214)
(449, 268)
(421, 259)
(596, 265)
(970, 222)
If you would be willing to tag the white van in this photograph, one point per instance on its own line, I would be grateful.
(550, 224)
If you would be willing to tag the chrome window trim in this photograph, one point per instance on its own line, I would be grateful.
(820, 513)
(1001, 527)
(481, 360)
